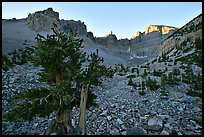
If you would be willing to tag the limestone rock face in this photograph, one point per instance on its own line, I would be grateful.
(137, 34)
(43, 20)
(147, 44)
(159, 28)
(108, 41)
(77, 27)
(90, 35)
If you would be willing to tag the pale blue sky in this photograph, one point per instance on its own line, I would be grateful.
(123, 18)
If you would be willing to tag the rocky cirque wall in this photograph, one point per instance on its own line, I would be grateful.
(147, 44)
(143, 45)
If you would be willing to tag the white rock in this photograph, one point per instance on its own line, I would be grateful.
(123, 133)
(164, 132)
(154, 121)
(109, 118)
(104, 113)
(120, 121)
(53, 134)
(115, 131)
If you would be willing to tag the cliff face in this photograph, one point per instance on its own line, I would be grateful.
(43, 20)
(152, 31)
(77, 27)
(158, 28)
(147, 44)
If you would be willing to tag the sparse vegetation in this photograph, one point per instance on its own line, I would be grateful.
(157, 73)
(131, 76)
(152, 84)
(194, 93)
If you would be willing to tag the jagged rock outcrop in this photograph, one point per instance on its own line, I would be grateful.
(137, 34)
(43, 20)
(108, 41)
(77, 27)
(90, 35)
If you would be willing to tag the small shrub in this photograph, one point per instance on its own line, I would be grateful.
(131, 76)
(194, 93)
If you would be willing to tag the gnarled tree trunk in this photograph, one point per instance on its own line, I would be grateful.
(62, 122)
(82, 109)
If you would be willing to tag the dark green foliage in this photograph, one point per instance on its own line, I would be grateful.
(187, 49)
(131, 83)
(137, 71)
(170, 60)
(171, 79)
(145, 66)
(59, 54)
(163, 81)
(91, 99)
(152, 84)
(197, 82)
(163, 58)
(141, 88)
(121, 69)
(198, 44)
(14, 54)
(182, 67)
(145, 73)
(154, 60)
(61, 57)
(33, 103)
(133, 70)
(195, 57)
(21, 56)
(175, 72)
(194, 93)
(157, 73)
(95, 70)
(142, 93)
(131, 76)
(189, 72)
(6, 63)
(164, 93)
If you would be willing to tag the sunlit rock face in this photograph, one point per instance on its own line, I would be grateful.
(159, 28)
(137, 34)
(147, 44)
(43, 20)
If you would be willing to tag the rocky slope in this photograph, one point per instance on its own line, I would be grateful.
(192, 29)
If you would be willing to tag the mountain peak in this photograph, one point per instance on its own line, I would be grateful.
(159, 28)
(43, 20)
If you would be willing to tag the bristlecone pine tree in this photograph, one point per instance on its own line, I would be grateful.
(91, 76)
(61, 57)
